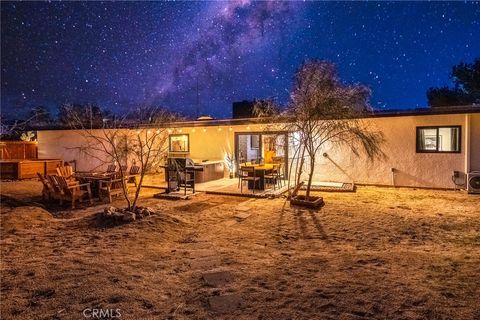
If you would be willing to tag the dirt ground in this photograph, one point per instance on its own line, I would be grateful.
(378, 253)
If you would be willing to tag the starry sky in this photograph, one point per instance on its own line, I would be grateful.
(198, 57)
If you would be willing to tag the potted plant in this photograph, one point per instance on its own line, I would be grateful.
(230, 163)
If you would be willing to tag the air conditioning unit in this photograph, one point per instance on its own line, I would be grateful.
(473, 182)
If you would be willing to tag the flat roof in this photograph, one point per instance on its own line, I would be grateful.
(372, 114)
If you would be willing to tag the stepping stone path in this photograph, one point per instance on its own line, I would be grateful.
(225, 303)
(207, 261)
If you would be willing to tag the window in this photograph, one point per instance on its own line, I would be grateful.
(439, 139)
(254, 141)
(179, 143)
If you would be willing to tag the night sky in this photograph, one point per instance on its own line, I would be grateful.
(121, 55)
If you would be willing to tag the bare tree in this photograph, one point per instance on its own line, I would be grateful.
(140, 137)
(324, 110)
(14, 128)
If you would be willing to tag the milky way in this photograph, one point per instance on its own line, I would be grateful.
(198, 57)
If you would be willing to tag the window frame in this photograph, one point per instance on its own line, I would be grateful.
(177, 135)
(437, 128)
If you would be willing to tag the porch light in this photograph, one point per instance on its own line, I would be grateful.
(180, 130)
(248, 127)
(158, 131)
(204, 129)
(169, 130)
(230, 129)
(193, 130)
(219, 129)
(138, 132)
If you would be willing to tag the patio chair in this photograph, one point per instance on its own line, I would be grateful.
(48, 191)
(186, 179)
(273, 177)
(247, 173)
(67, 173)
(113, 187)
(124, 169)
(133, 174)
(72, 192)
(56, 191)
(111, 168)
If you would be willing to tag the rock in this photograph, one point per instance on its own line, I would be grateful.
(117, 216)
(128, 216)
(108, 211)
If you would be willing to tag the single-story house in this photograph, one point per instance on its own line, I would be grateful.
(430, 148)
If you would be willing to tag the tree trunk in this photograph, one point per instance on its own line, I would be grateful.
(137, 191)
(300, 167)
(310, 177)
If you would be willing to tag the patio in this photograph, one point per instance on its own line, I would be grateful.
(221, 187)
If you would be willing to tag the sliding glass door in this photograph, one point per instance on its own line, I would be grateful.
(259, 147)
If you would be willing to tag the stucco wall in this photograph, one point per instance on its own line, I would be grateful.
(475, 142)
(410, 168)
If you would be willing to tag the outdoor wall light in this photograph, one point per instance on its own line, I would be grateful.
(193, 130)
(180, 130)
(219, 129)
(138, 132)
(248, 127)
(230, 129)
(204, 129)
(148, 132)
(169, 130)
(158, 131)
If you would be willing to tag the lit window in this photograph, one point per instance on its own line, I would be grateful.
(179, 143)
(439, 139)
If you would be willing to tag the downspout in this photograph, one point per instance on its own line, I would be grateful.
(467, 144)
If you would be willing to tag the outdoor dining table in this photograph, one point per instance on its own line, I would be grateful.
(260, 170)
(94, 178)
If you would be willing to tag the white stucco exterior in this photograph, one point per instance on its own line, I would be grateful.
(403, 166)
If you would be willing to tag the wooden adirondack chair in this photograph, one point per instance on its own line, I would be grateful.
(111, 168)
(48, 191)
(55, 190)
(67, 173)
(72, 192)
(113, 187)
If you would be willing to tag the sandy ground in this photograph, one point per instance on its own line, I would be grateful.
(378, 253)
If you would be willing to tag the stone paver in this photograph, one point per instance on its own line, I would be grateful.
(225, 303)
(218, 278)
(242, 215)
